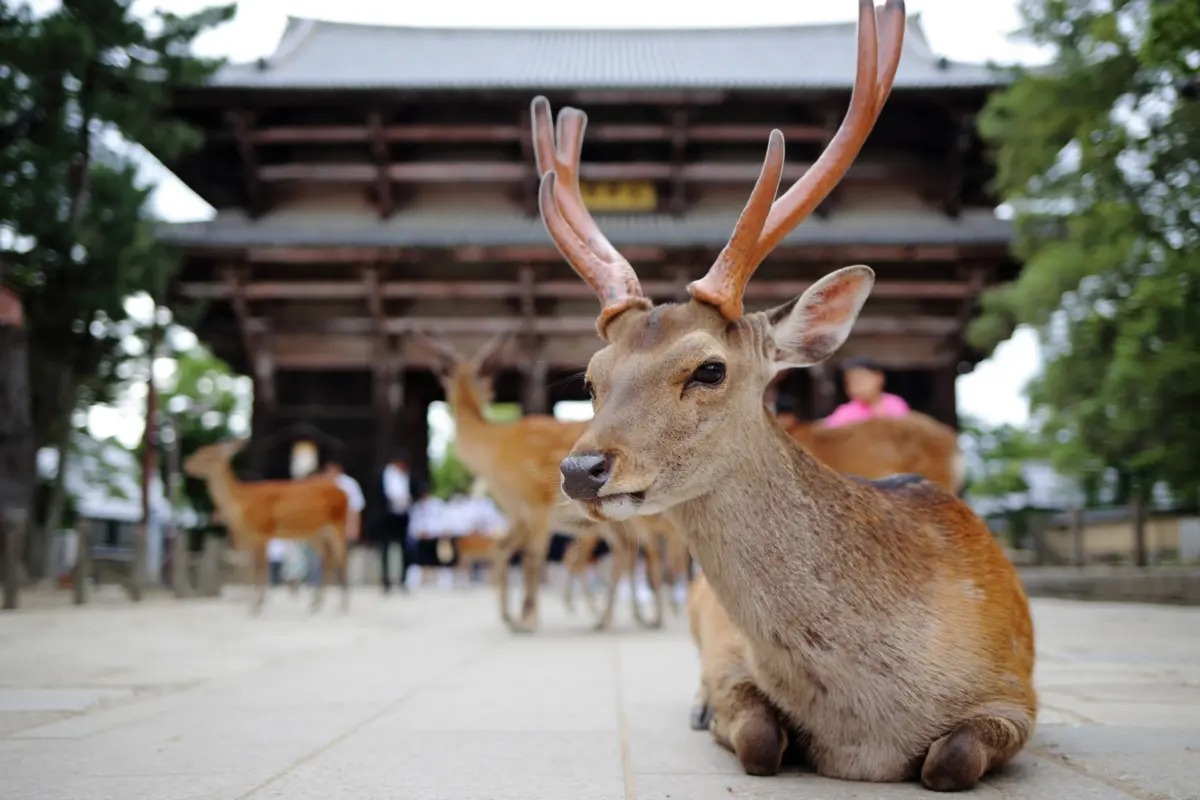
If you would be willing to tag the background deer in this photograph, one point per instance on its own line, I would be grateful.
(256, 512)
(519, 462)
(875, 448)
(882, 620)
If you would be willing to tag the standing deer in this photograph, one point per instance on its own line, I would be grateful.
(518, 461)
(881, 619)
(256, 512)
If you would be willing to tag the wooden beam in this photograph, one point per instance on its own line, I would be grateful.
(379, 149)
(504, 133)
(508, 171)
(549, 326)
(557, 289)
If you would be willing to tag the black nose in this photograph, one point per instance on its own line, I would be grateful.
(584, 475)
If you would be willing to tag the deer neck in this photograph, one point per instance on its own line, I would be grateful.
(222, 484)
(784, 541)
(474, 432)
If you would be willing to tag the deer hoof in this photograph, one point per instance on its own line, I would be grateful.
(702, 715)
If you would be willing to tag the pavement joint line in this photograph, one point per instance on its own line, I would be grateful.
(356, 727)
(630, 780)
(1066, 763)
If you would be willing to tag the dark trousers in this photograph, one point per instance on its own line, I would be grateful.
(394, 531)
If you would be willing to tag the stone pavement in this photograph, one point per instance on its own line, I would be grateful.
(428, 698)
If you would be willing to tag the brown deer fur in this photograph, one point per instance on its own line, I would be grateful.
(730, 704)
(875, 448)
(885, 623)
(256, 512)
(881, 619)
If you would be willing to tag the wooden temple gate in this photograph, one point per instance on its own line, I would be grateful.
(371, 181)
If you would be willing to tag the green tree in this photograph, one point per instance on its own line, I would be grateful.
(208, 403)
(1099, 156)
(75, 232)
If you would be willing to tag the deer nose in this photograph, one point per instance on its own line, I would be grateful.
(584, 475)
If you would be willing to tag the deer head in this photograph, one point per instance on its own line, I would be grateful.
(676, 383)
(465, 380)
(212, 457)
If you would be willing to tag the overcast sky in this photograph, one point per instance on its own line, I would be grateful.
(963, 30)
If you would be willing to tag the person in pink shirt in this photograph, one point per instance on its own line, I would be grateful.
(864, 384)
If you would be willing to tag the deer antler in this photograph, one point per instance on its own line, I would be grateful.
(763, 225)
(567, 220)
(436, 346)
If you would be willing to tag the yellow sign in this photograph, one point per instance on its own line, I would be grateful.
(619, 196)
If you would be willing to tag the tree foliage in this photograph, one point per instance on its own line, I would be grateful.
(209, 403)
(76, 86)
(1100, 156)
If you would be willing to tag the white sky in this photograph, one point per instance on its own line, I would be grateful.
(963, 30)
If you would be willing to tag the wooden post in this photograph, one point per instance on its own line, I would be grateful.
(1080, 556)
(1139, 526)
(12, 529)
(823, 391)
(16, 442)
(83, 560)
(208, 578)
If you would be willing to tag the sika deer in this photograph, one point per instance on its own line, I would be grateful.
(881, 619)
(518, 462)
(255, 512)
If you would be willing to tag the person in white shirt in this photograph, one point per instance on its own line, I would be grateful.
(354, 494)
(399, 492)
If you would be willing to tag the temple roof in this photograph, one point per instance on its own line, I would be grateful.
(315, 54)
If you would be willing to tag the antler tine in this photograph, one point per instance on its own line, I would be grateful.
(872, 84)
(491, 347)
(567, 219)
(722, 285)
(436, 345)
(726, 280)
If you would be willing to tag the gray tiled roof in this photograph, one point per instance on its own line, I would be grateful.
(314, 54)
(425, 229)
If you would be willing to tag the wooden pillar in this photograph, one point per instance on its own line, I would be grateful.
(944, 405)
(83, 560)
(534, 398)
(823, 393)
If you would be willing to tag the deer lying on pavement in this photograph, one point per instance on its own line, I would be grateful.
(519, 462)
(255, 512)
(882, 620)
(875, 448)
(729, 703)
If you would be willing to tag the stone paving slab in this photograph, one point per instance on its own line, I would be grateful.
(428, 697)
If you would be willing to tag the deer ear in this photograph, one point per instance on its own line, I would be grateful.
(812, 327)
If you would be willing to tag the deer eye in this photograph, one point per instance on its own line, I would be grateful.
(708, 374)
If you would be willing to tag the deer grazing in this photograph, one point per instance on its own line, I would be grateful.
(519, 462)
(881, 619)
(256, 512)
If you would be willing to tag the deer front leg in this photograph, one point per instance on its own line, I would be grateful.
(654, 577)
(623, 555)
(334, 565)
(976, 746)
(258, 568)
(533, 563)
(502, 553)
(743, 721)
